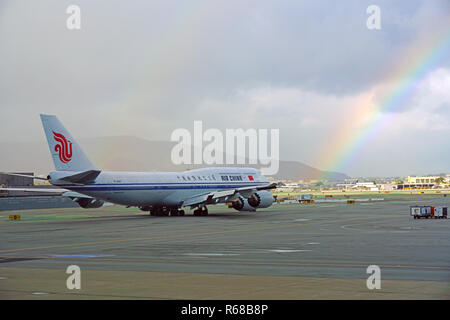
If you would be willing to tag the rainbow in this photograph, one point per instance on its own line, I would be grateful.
(346, 143)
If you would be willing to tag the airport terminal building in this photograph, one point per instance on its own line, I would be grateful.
(422, 182)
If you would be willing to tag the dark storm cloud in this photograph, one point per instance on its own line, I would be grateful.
(147, 67)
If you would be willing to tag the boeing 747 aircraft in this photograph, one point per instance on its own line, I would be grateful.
(160, 193)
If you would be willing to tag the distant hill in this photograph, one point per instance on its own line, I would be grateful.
(130, 154)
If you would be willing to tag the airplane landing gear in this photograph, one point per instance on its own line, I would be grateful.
(164, 212)
(201, 211)
(175, 212)
(159, 211)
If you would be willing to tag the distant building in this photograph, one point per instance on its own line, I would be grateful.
(388, 187)
(371, 186)
(15, 181)
(366, 186)
(421, 182)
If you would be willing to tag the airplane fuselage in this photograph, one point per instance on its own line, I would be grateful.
(161, 188)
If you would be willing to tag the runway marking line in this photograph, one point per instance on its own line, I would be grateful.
(241, 262)
(82, 244)
(58, 219)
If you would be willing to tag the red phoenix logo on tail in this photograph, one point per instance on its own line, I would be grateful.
(64, 148)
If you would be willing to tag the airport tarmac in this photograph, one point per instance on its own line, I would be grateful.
(291, 251)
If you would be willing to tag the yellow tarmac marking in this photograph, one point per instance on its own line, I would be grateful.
(81, 244)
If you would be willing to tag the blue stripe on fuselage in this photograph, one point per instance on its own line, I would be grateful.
(157, 186)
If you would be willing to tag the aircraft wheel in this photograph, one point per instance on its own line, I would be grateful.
(181, 212)
(174, 212)
(197, 212)
(159, 212)
(204, 212)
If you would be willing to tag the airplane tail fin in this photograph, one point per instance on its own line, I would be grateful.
(66, 152)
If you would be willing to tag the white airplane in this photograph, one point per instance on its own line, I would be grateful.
(161, 193)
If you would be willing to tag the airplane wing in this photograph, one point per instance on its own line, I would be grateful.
(83, 177)
(23, 175)
(78, 178)
(48, 190)
(59, 191)
(225, 195)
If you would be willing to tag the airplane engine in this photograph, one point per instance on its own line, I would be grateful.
(87, 203)
(261, 199)
(241, 204)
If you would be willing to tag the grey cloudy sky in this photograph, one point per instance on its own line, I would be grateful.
(145, 68)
